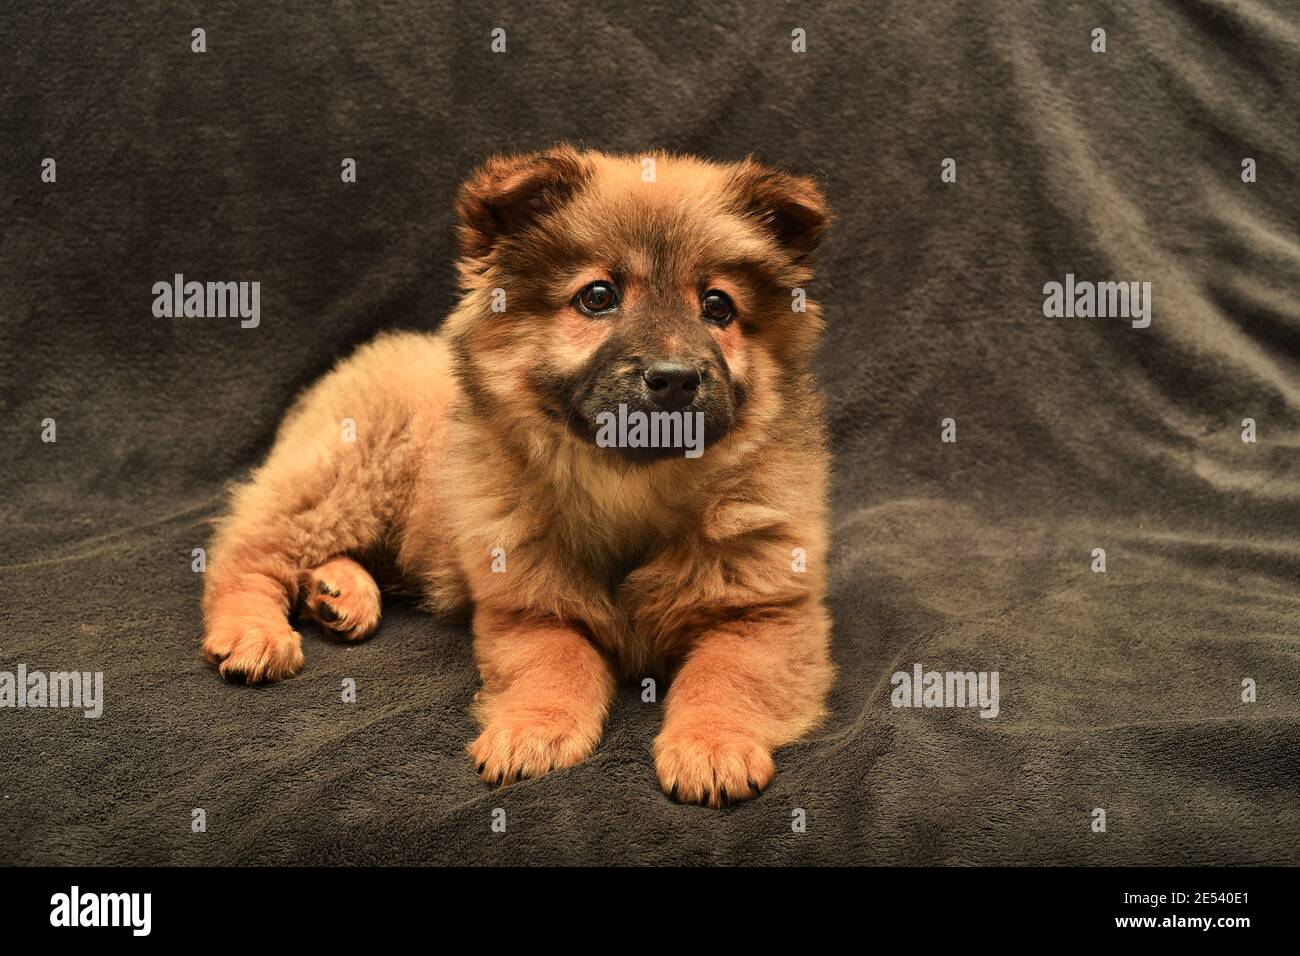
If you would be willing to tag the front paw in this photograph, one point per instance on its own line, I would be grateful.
(704, 763)
(529, 743)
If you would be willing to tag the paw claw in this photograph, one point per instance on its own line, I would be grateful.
(530, 744)
(702, 763)
(249, 652)
(343, 597)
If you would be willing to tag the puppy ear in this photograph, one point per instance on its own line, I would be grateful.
(793, 208)
(508, 193)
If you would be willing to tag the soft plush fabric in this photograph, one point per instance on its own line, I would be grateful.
(1120, 690)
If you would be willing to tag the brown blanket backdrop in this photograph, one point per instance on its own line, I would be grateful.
(1120, 690)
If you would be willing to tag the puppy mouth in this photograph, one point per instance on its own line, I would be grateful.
(624, 422)
(616, 412)
(646, 456)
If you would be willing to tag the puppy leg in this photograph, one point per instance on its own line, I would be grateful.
(338, 481)
(246, 607)
(286, 520)
(342, 597)
(744, 689)
(546, 692)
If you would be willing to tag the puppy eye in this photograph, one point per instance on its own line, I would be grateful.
(596, 298)
(716, 307)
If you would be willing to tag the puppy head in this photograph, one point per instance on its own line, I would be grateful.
(659, 283)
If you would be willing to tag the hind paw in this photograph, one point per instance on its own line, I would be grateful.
(254, 651)
(342, 597)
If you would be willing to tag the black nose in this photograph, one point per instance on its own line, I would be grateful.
(672, 386)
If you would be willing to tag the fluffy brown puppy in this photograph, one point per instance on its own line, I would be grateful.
(474, 463)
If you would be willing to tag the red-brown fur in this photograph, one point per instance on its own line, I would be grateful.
(679, 568)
